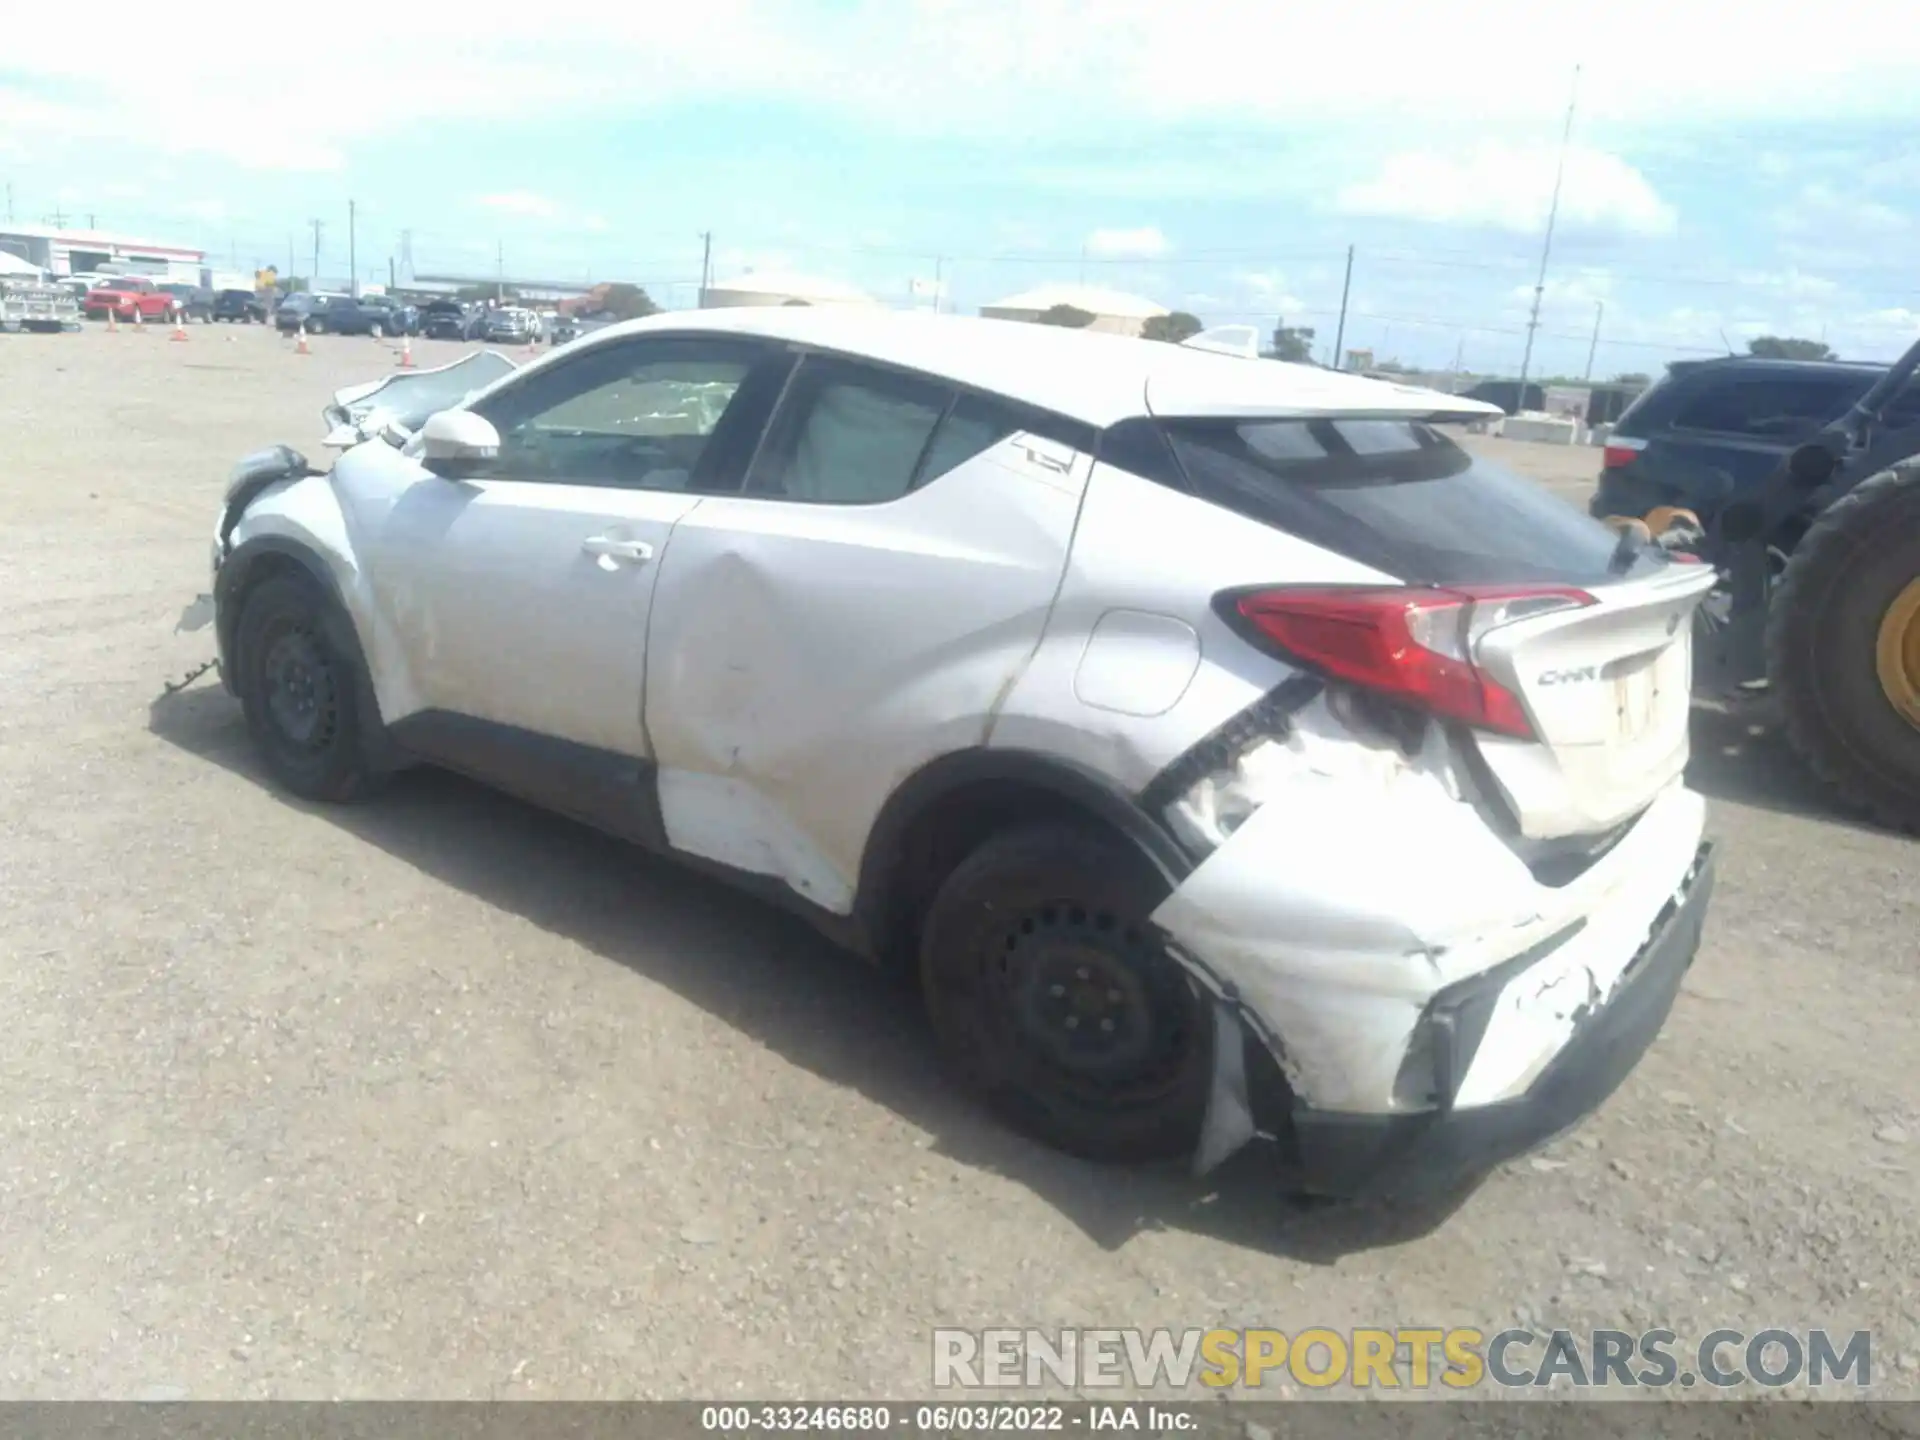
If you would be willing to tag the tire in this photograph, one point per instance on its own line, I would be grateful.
(1035, 938)
(299, 684)
(1823, 628)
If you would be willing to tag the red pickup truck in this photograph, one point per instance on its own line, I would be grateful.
(127, 296)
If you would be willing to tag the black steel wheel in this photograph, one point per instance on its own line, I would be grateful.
(1054, 999)
(299, 683)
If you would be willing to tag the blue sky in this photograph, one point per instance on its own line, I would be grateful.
(1218, 156)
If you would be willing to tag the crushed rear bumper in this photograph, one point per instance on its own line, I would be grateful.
(1402, 1154)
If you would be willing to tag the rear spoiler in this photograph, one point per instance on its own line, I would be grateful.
(1319, 390)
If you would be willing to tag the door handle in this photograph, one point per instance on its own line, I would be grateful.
(606, 547)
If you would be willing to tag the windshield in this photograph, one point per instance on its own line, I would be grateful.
(1398, 496)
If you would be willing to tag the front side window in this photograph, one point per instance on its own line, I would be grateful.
(637, 415)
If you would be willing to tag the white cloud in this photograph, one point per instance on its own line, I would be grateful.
(522, 202)
(1510, 188)
(1820, 209)
(1145, 243)
(1015, 69)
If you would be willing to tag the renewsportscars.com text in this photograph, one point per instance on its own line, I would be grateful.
(1403, 1357)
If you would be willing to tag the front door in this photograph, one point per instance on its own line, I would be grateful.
(522, 598)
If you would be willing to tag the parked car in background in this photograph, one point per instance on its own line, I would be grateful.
(452, 320)
(127, 297)
(192, 302)
(35, 304)
(305, 310)
(236, 306)
(1218, 764)
(1711, 430)
(513, 325)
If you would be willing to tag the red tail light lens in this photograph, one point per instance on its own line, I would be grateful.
(1411, 645)
(1620, 451)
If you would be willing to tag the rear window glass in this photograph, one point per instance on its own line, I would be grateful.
(1395, 495)
(1775, 408)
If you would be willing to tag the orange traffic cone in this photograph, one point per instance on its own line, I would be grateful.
(303, 348)
(113, 321)
(179, 326)
(139, 321)
(406, 352)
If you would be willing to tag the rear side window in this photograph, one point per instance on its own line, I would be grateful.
(1394, 495)
(1768, 407)
(848, 434)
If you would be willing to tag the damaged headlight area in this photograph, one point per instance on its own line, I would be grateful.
(252, 475)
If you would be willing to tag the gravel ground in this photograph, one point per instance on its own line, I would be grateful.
(444, 1098)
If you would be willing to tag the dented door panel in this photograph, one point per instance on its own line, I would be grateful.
(804, 659)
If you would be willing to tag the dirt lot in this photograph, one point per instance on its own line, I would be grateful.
(444, 1098)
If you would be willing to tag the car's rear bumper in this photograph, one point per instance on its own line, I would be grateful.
(1363, 1155)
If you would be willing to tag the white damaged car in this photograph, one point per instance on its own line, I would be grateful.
(1231, 751)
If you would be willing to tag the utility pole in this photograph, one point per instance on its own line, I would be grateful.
(1340, 330)
(353, 258)
(939, 294)
(1599, 309)
(1546, 245)
(314, 278)
(92, 224)
(706, 267)
(393, 282)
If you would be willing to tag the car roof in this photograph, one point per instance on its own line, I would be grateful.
(1093, 377)
(1722, 365)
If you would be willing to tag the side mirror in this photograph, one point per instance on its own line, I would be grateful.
(458, 444)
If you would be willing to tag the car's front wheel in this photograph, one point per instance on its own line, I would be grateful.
(1052, 997)
(299, 685)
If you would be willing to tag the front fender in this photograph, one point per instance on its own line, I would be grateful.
(304, 522)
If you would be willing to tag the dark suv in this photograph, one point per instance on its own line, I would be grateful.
(237, 305)
(1712, 429)
(450, 320)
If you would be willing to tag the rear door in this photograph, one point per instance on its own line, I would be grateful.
(1606, 682)
(858, 611)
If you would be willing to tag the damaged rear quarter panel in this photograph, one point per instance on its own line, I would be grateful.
(1145, 555)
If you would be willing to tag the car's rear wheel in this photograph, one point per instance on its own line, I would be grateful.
(299, 685)
(1053, 998)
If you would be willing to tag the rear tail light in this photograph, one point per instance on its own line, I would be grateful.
(1412, 645)
(1621, 450)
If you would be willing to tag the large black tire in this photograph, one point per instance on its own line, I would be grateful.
(1052, 999)
(299, 682)
(1823, 624)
